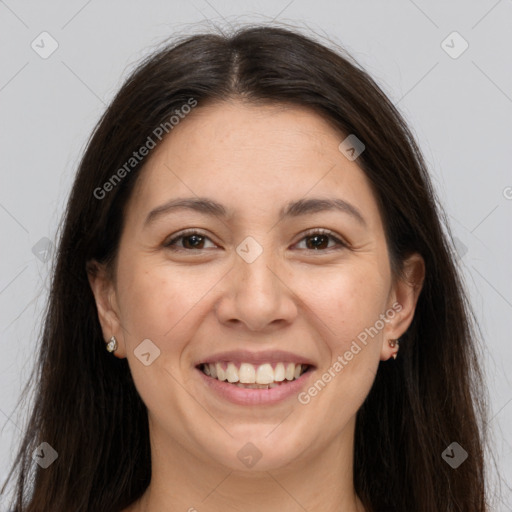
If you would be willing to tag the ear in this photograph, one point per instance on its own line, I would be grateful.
(103, 289)
(403, 299)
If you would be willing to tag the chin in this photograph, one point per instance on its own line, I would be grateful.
(257, 448)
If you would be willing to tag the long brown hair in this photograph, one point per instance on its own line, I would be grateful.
(86, 405)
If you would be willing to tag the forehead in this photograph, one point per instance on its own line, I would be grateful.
(253, 158)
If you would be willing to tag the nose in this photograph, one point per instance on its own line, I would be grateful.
(256, 295)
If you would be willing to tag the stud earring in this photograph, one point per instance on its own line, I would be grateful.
(393, 344)
(112, 344)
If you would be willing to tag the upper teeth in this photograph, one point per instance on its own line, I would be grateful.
(250, 374)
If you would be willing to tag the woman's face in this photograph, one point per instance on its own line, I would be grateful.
(256, 287)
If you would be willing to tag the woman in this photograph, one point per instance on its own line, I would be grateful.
(254, 305)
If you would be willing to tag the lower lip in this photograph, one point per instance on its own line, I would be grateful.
(245, 396)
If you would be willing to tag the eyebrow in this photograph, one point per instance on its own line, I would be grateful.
(297, 208)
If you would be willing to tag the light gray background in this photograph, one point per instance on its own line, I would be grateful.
(459, 108)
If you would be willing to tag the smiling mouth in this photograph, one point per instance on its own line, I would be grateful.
(249, 376)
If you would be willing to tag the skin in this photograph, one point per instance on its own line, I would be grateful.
(198, 302)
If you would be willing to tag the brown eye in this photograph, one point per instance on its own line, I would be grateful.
(193, 241)
(319, 240)
(187, 241)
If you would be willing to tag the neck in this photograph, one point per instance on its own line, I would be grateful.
(180, 481)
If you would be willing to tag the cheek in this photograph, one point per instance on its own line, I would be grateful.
(144, 304)
(363, 303)
(151, 299)
(156, 304)
(350, 307)
(347, 300)
(162, 303)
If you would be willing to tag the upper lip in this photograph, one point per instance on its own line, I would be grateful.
(266, 356)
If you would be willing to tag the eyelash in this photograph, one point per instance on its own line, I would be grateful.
(308, 234)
